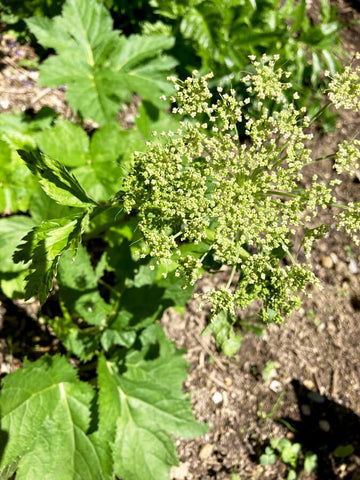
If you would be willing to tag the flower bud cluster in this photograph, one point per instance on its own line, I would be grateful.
(344, 89)
(241, 199)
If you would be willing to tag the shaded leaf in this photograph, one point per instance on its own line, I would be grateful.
(46, 411)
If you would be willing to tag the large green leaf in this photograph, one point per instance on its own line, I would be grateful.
(149, 406)
(45, 413)
(100, 68)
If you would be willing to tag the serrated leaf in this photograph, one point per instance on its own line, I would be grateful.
(42, 207)
(55, 180)
(42, 246)
(45, 411)
(100, 68)
(147, 412)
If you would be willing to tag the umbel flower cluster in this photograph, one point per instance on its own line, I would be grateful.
(240, 202)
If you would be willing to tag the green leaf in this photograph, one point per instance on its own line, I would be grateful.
(290, 454)
(82, 342)
(42, 207)
(45, 413)
(310, 462)
(291, 475)
(100, 68)
(66, 142)
(269, 457)
(78, 284)
(56, 181)
(12, 230)
(225, 337)
(343, 451)
(17, 183)
(42, 246)
(148, 410)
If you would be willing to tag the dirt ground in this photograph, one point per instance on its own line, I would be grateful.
(310, 393)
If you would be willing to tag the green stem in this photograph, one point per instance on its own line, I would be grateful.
(109, 287)
(320, 112)
(281, 194)
(231, 276)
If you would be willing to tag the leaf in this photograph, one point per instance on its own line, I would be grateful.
(65, 142)
(100, 68)
(42, 246)
(225, 337)
(79, 288)
(148, 411)
(45, 411)
(17, 183)
(56, 181)
(42, 207)
(310, 462)
(343, 451)
(12, 230)
(269, 457)
(82, 342)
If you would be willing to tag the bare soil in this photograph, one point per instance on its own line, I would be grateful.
(314, 385)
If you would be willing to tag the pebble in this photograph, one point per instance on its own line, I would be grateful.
(275, 386)
(353, 268)
(228, 381)
(305, 409)
(217, 398)
(324, 425)
(327, 262)
(181, 472)
(309, 384)
(206, 451)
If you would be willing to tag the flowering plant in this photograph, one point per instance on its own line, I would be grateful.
(241, 201)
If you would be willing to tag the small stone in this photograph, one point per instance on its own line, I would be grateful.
(217, 398)
(228, 381)
(305, 410)
(206, 451)
(327, 262)
(275, 386)
(4, 103)
(353, 268)
(180, 473)
(309, 384)
(324, 425)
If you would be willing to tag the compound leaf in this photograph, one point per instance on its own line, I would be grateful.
(100, 68)
(46, 413)
(149, 407)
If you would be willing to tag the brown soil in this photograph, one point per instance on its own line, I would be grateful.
(315, 380)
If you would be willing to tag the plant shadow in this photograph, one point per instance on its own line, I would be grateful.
(330, 430)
